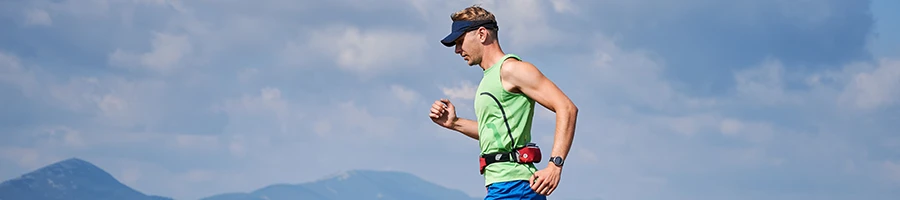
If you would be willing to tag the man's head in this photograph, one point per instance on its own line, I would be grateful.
(473, 29)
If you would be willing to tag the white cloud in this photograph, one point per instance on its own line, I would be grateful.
(544, 113)
(764, 84)
(113, 101)
(691, 124)
(86, 8)
(322, 128)
(114, 107)
(237, 146)
(64, 140)
(353, 119)
(237, 149)
(267, 111)
(198, 175)
(748, 130)
(147, 176)
(248, 75)
(858, 86)
(28, 158)
(267, 101)
(892, 170)
(562, 6)
(12, 72)
(525, 23)
(199, 142)
(168, 52)
(292, 54)
(422, 6)
(585, 155)
(404, 94)
(79, 94)
(63, 136)
(130, 176)
(465, 90)
(634, 77)
(177, 5)
(874, 88)
(38, 17)
(730, 126)
(359, 50)
(152, 2)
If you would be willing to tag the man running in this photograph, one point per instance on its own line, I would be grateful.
(504, 106)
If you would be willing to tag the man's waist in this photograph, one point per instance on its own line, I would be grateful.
(527, 154)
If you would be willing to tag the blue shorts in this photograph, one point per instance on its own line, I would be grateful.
(512, 190)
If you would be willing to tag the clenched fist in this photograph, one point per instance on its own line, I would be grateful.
(443, 113)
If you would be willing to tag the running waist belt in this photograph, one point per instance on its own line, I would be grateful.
(530, 153)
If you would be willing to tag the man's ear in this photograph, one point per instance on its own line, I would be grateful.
(483, 34)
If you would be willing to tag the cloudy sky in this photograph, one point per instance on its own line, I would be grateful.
(745, 99)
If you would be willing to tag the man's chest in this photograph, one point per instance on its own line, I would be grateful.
(487, 101)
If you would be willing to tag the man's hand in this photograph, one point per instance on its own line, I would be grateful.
(443, 113)
(545, 181)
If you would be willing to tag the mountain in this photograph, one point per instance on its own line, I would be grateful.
(76, 179)
(355, 185)
(70, 179)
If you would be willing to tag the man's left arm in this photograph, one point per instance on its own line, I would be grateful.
(529, 80)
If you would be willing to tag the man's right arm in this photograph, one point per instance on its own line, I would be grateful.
(467, 127)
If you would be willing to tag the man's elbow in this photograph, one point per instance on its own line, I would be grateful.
(573, 109)
(573, 116)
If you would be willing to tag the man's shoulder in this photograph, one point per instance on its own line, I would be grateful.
(516, 66)
(517, 70)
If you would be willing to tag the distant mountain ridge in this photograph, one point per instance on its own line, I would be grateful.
(77, 179)
(70, 179)
(355, 185)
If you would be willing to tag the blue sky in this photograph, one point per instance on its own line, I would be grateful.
(761, 99)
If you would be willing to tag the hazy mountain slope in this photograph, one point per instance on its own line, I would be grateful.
(71, 179)
(355, 185)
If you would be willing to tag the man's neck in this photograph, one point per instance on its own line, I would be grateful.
(491, 56)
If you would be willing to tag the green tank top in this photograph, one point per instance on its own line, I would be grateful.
(504, 123)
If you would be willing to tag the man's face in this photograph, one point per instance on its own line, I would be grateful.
(467, 47)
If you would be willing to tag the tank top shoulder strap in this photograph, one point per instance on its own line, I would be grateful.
(507, 56)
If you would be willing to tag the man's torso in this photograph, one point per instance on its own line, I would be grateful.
(504, 123)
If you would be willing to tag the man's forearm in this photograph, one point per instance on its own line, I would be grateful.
(466, 127)
(565, 131)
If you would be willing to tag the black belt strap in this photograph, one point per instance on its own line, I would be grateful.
(500, 157)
